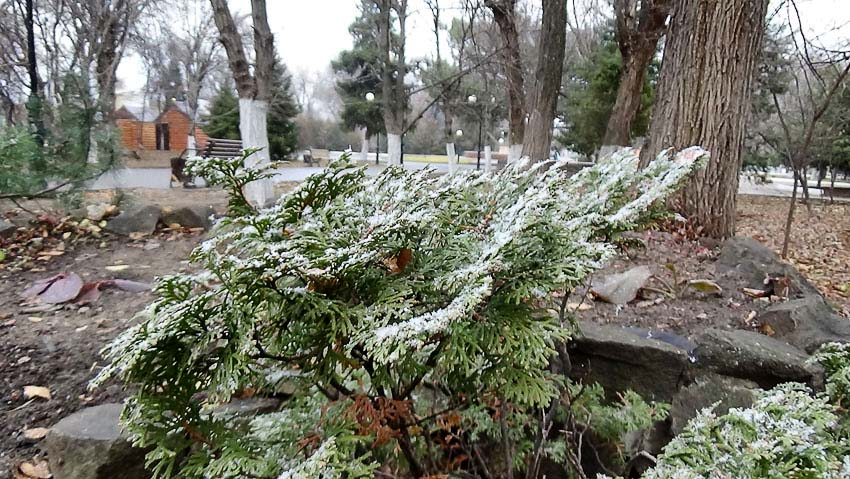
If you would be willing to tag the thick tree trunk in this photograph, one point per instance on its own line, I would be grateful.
(704, 99)
(35, 104)
(550, 66)
(253, 127)
(393, 71)
(236, 58)
(627, 104)
(393, 148)
(504, 14)
(638, 32)
(452, 157)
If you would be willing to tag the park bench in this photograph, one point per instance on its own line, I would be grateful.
(214, 148)
(316, 156)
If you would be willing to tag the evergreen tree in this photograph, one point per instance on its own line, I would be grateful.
(223, 118)
(283, 133)
(590, 98)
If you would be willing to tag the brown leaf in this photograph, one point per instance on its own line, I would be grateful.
(754, 293)
(39, 470)
(398, 263)
(36, 433)
(36, 391)
(63, 289)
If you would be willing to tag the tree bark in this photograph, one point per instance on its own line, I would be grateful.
(638, 32)
(547, 82)
(232, 42)
(35, 104)
(504, 14)
(392, 74)
(704, 99)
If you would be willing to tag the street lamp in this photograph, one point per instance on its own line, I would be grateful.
(472, 99)
(370, 97)
(459, 133)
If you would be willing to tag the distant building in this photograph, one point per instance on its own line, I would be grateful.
(147, 134)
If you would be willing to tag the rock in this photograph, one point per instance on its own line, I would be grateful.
(752, 261)
(7, 229)
(248, 407)
(620, 360)
(806, 323)
(99, 211)
(141, 219)
(706, 390)
(754, 356)
(90, 444)
(197, 216)
(622, 288)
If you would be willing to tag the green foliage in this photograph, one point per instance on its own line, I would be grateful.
(223, 118)
(834, 358)
(590, 96)
(357, 77)
(376, 302)
(611, 421)
(26, 167)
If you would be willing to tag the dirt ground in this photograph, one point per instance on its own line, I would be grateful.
(58, 349)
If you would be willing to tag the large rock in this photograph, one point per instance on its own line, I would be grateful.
(142, 219)
(99, 211)
(623, 287)
(619, 360)
(7, 229)
(806, 323)
(707, 390)
(90, 444)
(197, 216)
(754, 356)
(752, 261)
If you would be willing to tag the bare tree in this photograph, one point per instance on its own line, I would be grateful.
(505, 16)
(547, 80)
(393, 71)
(704, 99)
(640, 24)
(255, 90)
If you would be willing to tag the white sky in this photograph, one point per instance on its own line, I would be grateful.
(310, 33)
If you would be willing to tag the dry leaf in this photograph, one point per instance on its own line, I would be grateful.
(35, 319)
(767, 330)
(117, 267)
(583, 306)
(754, 293)
(36, 433)
(39, 470)
(705, 286)
(36, 391)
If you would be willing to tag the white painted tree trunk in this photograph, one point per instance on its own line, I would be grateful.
(450, 153)
(364, 145)
(253, 118)
(515, 153)
(92, 156)
(191, 147)
(394, 148)
(488, 158)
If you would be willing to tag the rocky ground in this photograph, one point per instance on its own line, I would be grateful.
(56, 347)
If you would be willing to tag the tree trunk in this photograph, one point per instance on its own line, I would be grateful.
(704, 99)
(253, 127)
(35, 103)
(638, 33)
(504, 14)
(547, 83)
(789, 220)
(236, 58)
(393, 72)
(452, 157)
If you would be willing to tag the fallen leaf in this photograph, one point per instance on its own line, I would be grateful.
(63, 289)
(39, 470)
(705, 286)
(23, 360)
(127, 285)
(136, 235)
(8, 324)
(583, 306)
(118, 267)
(36, 433)
(754, 293)
(35, 319)
(767, 330)
(36, 391)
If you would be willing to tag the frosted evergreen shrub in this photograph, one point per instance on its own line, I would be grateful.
(388, 310)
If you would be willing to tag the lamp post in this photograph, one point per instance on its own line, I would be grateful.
(472, 100)
(370, 97)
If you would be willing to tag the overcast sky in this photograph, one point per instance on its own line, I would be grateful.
(310, 33)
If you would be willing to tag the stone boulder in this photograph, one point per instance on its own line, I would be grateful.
(806, 323)
(141, 219)
(619, 360)
(752, 261)
(756, 357)
(623, 287)
(90, 444)
(99, 211)
(707, 390)
(7, 229)
(196, 216)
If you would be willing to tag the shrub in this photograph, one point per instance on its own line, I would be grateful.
(392, 311)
